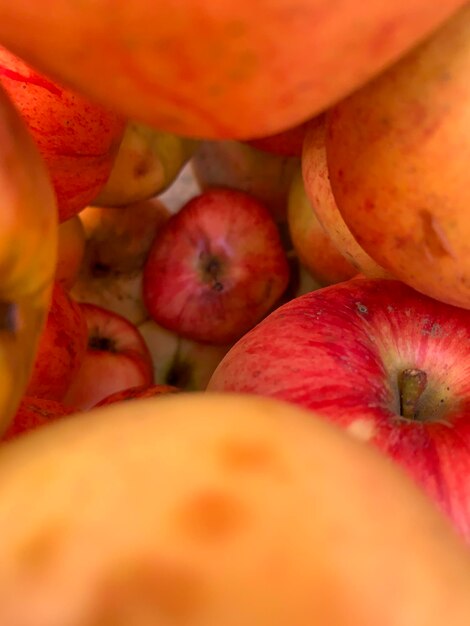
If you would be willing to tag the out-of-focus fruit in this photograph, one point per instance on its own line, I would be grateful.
(78, 139)
(116, 358)
(286, 143)
(398, 154)
(33, 413)
(176, 493)
(134, 393)
(215, 268)
(147, 163)
(313, 245)
(70, 252)
(61, 348)
(382, 361)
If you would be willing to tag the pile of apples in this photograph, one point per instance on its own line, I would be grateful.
(234, 313)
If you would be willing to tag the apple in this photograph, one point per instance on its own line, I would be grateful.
(134, 393)
(218, 509)
(61, 350)
(28, 251)
(398, 152)
(383, 362)
(286, 143)
(318, 189)
(313, 245)
(34, 413)
(237, 165)
(225, 69)
(78, 139)
(118, 241)
(147, 163)
(180, 362)
(116, 358)
(215, 268)
(70, 251)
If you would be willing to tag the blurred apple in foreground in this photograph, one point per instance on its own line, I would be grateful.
(139, 392)
(116, 359)
(382, 361)
(78, 139)
(149, 510)
(70, 251)
(118, 241)
(34, 413)
(180, 362)
(237, 165)
(313, 245)
(318, 189)
(61, 348)
(215, 268)
(147, 163)
(398, 154)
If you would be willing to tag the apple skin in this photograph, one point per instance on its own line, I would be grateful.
(225, 69)
(398, 152)
(318, 189)
(34, 413)
(313, 245)
(215, 268)
(134, 393)
(61, 350)
(116, 358)
(286, 143)
(181, 362)
(237, 165)
(339, 351)
(77, 139)
(71, 250)
(147, 163)
(118, 241)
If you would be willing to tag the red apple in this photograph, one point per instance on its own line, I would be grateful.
(216, 267)
(78, 139)
(61, 348)
(286, 143)
(33, 413)
(141, 391)
(384, 362)
(116, 358)
(70, 251)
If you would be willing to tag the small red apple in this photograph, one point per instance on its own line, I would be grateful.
(141, 391)
(78, 139)
(61, 348)
(33, 413)
(216, 267)
(381, 360)
(116, 358)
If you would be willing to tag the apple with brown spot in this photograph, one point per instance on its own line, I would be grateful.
(116, 358)
(216, 267)
(382, 361)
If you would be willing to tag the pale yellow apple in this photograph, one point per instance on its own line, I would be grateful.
(71, 249)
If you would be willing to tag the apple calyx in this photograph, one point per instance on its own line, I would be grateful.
(411, 384)
(212, 268)
(103, 344)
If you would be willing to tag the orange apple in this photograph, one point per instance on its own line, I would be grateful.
(217, 68)
(318, 188)
(313, 245)
(286, 143)
(398, 153)
(70, 252)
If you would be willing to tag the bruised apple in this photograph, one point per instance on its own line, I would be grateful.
(147, 163)
(381, 360)
(78, 139)
(33, 413)
(116, 358)
(70, 251)
(28, 250)
(221, 69)
(218, 509)
(134, 393)
(398, 152)
(215, 268)
(61, 348)
(318, 189)
(312, 244)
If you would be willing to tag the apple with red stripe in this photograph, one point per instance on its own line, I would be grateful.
(380, 360)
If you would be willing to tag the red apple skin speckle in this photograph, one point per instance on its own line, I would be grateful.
(141, 391)
(34, 413)
(238, 232)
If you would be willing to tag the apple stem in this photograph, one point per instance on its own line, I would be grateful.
(411, 384)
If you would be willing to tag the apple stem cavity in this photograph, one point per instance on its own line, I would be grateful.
(212, 268)
(103, 344)
(411, 384)
(8, 317)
